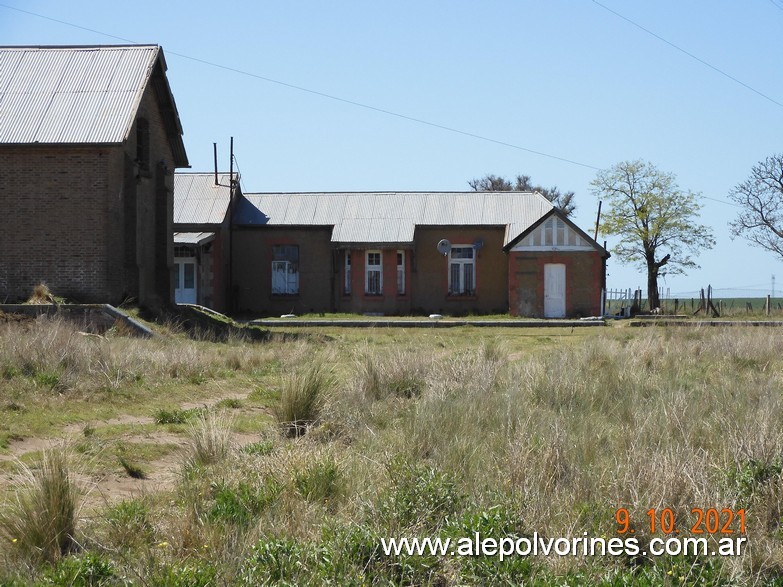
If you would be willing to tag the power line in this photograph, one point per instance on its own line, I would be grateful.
(689, 54)
(776, 5)
(367, 106)
(328, 96)
(721, 201)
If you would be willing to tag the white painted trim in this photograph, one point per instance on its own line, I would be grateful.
(574, 249)
(378, 268)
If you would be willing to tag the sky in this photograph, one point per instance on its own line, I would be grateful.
(424, 95)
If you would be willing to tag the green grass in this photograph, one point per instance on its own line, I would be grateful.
(419, 432)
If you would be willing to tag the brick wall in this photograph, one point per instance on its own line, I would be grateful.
(71, 216)
(252, 270)
(53, 228)
(429, 281)
(584, 279)
(390, 301)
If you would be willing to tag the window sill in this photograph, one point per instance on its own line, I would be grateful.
(276, 296)
(371, 296)
(458, 297)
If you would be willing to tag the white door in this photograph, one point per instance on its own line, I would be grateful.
(554, 290)
(185, 281)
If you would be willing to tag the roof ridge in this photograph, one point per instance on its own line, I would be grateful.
(58, 47)
(383, 192)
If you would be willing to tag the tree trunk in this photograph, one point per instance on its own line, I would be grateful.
(652, 288)
(653, 268)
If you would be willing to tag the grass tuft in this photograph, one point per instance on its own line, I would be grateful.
(41, 522)
(210, 437)
(302, 399)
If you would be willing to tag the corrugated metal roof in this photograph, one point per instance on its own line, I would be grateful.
(191, 238)
(197, 200)
(391, 217)
(72, 94)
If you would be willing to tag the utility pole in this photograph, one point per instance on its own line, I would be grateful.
(773, 285)
(231, 183)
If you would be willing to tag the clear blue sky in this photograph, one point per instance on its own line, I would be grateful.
(567, 78)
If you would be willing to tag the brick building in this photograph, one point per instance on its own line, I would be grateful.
(403, 253)
(201, 237)
(89, 140)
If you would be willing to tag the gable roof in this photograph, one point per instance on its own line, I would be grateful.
(82, 95)
(557, 214)
(197, 200)
(391, 217)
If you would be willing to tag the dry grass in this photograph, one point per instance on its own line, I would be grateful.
(210, 437)
(302, 398)
(41, 295)
(41, 522)
(464, 438)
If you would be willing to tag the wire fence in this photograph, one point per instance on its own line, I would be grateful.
(630, 301)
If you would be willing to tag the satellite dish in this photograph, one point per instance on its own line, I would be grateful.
(478, 244)
(444, 246)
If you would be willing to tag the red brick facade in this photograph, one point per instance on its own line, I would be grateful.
(504, 281)
(89, 221)
(584, 272)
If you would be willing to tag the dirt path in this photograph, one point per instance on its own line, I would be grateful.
(109, 486)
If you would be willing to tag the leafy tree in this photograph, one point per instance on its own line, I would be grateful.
(761, 199)
(654, 219)
(564, 201)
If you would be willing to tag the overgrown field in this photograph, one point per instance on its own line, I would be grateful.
(287, 462)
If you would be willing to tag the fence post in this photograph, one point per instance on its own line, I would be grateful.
(769, 304)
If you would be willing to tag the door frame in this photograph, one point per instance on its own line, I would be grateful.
(179, 267)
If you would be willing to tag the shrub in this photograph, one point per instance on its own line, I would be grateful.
(302, 398)
(42, 520)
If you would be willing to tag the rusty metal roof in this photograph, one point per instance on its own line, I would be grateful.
(197, 200)
(56, 95)
(392, 217)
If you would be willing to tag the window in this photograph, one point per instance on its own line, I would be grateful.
(548, 232)
(184, 251)
(400, 273)
(560, 235)
(462, 271)
(285, 269)
(373, 275)
(347, 286)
